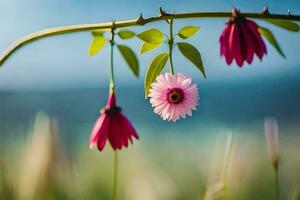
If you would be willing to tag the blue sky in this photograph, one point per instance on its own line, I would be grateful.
(63, 61)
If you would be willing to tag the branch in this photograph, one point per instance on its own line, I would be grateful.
(139, 21)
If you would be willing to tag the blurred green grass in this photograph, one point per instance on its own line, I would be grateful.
(161, 166)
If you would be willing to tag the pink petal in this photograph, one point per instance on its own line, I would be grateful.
(115, 137)
(259, 45)
(103, 133)
(234, 44)
(224, 40)
(123, 130)
(128, 128)
(95, 130)
(248, 44)
(243, 43)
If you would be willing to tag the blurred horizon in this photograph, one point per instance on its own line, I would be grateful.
(222, 105)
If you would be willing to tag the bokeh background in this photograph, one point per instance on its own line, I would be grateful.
(172, 160)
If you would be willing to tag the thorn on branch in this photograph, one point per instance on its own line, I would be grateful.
(141, 20)
(265, 10)
(163, 13)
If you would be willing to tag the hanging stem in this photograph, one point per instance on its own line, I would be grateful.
(115, 176)
(139, 21)
(112, 88)
(112, 43)
(171, 44)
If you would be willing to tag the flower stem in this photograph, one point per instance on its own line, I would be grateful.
(115, 176)
(277, 189)
(112, 43)
(171, 44)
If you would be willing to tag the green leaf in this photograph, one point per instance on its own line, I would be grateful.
(96, 45)
(98, 32)
(188, 31)
(285, 24)
(272, 40)
(130, 58)
(153, 36)
(154, 70)
(192, 54)
(148, 47)
(126, 34)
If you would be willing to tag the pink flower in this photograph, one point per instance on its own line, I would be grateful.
(173, 96)
(112, 125)
(240, 40)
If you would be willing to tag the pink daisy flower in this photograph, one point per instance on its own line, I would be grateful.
(240, 40)
(112, 125)
(173, 96)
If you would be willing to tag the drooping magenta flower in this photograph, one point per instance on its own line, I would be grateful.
(112, 125)
(240, 40)
(173, 96)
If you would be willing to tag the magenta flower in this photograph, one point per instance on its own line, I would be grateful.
(173, 96)
(112, 125)
(240, 40)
